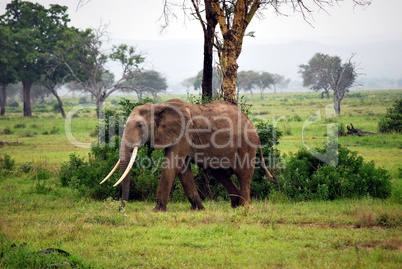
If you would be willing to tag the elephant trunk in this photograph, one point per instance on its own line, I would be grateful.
(126, 163)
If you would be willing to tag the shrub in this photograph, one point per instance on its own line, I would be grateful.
(25, 167)
(19, 126)
(6, 166)
(84, 176)
(392, 121)
(14, 104)
(308, 178)
(6, 131)
(83, 100)
(269, 136)
(41, 175)
(7, 163)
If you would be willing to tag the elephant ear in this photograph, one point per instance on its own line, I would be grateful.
(171, 123)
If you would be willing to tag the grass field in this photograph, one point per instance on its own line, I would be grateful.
(272, 233)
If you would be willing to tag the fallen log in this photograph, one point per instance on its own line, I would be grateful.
(353, 130)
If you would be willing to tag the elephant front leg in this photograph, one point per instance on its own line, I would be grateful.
(187, 181)
(170, 168)
(164, 188)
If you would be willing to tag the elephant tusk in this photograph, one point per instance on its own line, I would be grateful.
(111, 172)
(130, 165)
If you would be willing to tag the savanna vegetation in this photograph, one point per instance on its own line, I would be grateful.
(351, 223)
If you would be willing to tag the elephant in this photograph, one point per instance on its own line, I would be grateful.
(217, 136)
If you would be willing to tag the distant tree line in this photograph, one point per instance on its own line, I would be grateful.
(37, 47)
(247, 81)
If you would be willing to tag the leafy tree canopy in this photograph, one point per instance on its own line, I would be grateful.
(329, 74)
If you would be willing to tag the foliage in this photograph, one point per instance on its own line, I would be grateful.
(249, 80)
(6, 163)
(269, 136)
(308, 178)
(144, 82)
(36, 30)
(196, 82)
(392, 121)
(84, 175)
(329, 73)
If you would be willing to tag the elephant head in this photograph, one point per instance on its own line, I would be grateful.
(159, 125)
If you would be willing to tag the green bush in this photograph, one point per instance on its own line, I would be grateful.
(19, 126)
(85, 175)
(308, 178)
(269, 136)
(6, 131)
(392, 121)
(7, 163)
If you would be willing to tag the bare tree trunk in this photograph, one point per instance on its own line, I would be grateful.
(26, 96)
(3, 99)
(209, 37)
(337, 106)
(99, 105)
(139, 95)
(59, 102)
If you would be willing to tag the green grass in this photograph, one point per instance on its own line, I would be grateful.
(43, 137)
(272, 233)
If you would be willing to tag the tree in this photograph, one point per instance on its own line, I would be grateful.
(343, 76)
(81, 52)
(36, 30)
(315, 73)
(143, 82)
(329, 73)
(265, 80)
(233, 18)
(208, 26)
(280, 81)
(197, 81)
(8, 61)
(51, 81)
(188, 83)
(392, 120)
(247, 80)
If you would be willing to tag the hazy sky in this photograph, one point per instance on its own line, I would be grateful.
(139, 20)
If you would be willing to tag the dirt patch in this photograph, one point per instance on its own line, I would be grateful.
(390, 244)
(6, 143)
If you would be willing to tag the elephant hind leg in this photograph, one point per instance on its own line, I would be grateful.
(245, 176)
(187, 181)
(223, 176)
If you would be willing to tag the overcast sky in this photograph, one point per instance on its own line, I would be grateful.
(177, 52)
(139, 20)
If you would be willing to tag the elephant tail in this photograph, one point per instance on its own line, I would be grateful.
(269, 175)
